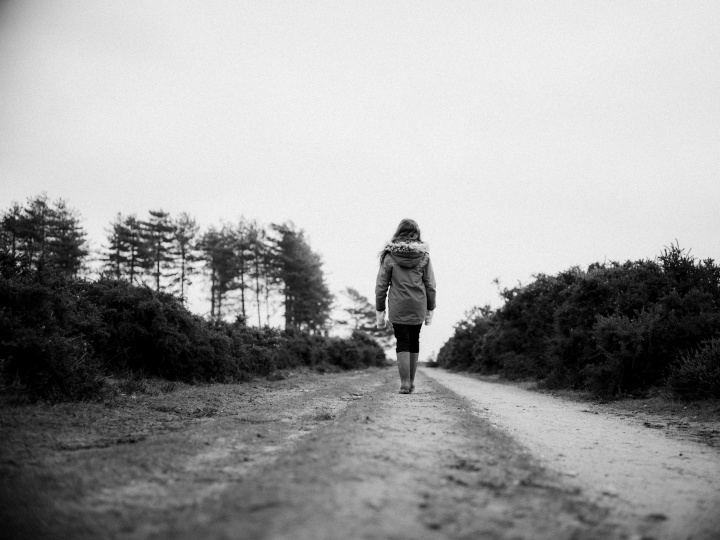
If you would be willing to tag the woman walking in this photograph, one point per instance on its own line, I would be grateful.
(406, 270)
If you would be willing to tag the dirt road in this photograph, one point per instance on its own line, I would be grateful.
(631, 466)
(319, 456)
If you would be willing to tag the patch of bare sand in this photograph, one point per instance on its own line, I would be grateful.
(313, 456)
(638, 471)
(418, 466)
(127, 467)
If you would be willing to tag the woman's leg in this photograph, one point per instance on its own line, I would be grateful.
(414, 348)
(403, 355)
(413, 369)
(403, 360)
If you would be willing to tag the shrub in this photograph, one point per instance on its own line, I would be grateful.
(628, 354)
(43, 324)
(61, 337)
(370, 351)
(461, 351)
(697, 374)
(55, 368)
(613, 329)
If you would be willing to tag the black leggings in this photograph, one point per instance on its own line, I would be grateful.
(408, 337)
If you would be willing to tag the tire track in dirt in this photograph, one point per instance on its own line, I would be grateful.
(418, 466)
(642, 474)
(61, 478)
(310, 457)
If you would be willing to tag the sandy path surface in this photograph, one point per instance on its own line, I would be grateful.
(335, 456)
(619, 463)
(344, 456)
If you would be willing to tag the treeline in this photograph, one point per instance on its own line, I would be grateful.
(614, 329)
(249, 268)
(43, 234)
(65, 336)
(69, 339)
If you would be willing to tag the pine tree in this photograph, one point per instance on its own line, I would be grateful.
(66, 242)
(245, 258)
(307, 298)
(359, 309)
(257, 238)
(115, 252)
(136, 254)
(158, 233)
(269, 273)
(34, 227)
(361, 313)
(185, 250)
(42, 235)
(10, 224)
(221, 265)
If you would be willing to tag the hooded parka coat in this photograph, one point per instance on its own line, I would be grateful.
(407, 273)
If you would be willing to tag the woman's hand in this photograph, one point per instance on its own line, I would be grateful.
(380, 321)
(428, 318)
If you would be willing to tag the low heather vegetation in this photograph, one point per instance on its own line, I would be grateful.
(62, 338)
(617, 328)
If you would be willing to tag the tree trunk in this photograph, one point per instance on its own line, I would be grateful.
(257, 289)
(182, 274)
(212, 296)
(157, 268)
(132, 264)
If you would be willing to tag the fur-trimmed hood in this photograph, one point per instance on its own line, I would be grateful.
(407, 254)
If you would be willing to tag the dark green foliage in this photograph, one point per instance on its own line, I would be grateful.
(127, 253)
(149, 248)
(62, 337)
(370, 352)
(614, 329)
(247, 263)
(307, 298)
(158, 233)
(697, 374)
(143, 330)
(460, 350)
(219, 254)
(44, 324)
(44, 235)
(360, 351)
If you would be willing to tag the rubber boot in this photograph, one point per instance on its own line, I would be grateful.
(403, 361)
(413, 369)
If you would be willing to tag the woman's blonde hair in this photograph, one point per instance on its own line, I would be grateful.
(407, 231)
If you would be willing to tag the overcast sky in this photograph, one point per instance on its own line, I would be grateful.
(524, 137)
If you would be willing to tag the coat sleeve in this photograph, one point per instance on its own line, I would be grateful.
(381, 287)
(429, 281)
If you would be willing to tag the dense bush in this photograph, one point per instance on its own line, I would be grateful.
(62, 337)
(321, 352)
(460, 351)
(43, 329)
(697, 374)
(613, 329)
